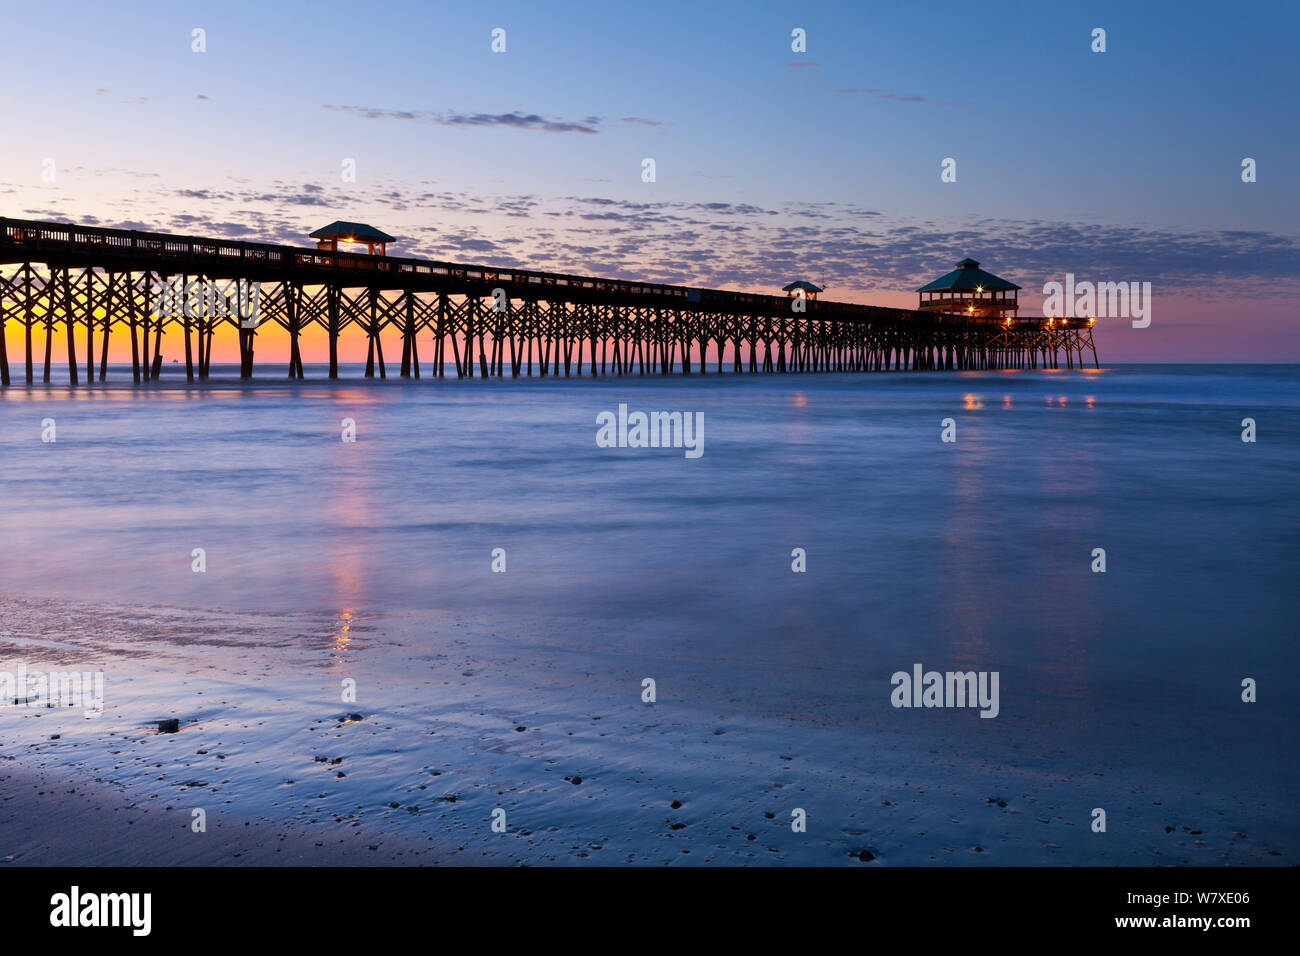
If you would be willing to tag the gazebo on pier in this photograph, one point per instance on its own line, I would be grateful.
(807, 288)
(971, 292)
(354, 233)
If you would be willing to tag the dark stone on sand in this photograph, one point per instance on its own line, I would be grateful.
(677, 826)
(866, 856)
(521, 728)
(769, 815)
(55, 736)
(676, 804)
(394, 805)
(575, 781)
(169, 726)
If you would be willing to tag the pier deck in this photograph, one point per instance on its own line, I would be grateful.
(87, 281)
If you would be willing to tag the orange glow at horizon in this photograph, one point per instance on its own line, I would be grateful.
(270, 348)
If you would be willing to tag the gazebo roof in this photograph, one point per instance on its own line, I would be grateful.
(357, 231)
(967, 277)
(800, 284)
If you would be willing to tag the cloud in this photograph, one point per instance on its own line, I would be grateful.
(862, 254)
(642, 122)
(513, 120)
(900, 97)
(885, 95)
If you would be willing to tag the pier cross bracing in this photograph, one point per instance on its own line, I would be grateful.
(81, 285)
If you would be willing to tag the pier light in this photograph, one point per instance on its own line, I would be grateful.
(963, 292)
(353, 234)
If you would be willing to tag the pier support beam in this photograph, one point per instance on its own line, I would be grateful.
(69, 322)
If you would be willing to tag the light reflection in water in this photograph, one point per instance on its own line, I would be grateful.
(343, 630)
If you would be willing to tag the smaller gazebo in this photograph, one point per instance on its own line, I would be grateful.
(809, 290)
(356, 233)
(970, 291)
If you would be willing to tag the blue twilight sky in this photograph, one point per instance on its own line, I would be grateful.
(770, 164)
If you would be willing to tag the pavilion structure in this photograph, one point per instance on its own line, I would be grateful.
(972, 293)
(807, 288)
(352, 234)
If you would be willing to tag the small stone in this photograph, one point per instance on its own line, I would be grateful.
(676, 804)
(866, 856)
(169, 726)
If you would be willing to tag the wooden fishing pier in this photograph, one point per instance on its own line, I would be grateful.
(87, 282)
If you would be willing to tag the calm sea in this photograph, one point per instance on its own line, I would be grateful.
(372, 561)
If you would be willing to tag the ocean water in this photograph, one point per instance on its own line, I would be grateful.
(371, 561)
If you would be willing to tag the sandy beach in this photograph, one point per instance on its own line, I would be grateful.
(354, 675)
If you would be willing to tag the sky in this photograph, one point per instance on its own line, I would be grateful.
(770, 164)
